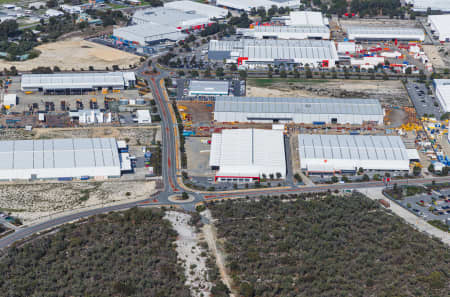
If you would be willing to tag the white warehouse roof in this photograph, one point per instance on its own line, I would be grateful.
(336, 153)
(442, 87)
(248, 153)
(247, 5)
(269, 50)
(148, 33)
(440, 24)
(86, 80)
(54, 158)
(199, 8)
(310, 18)
(208, 87)
(169, 17)
(297, 110)
(381, 33)
(288, 32)
(423, 5)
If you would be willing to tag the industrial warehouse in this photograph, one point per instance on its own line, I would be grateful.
(440, 26)
(442, 87)
(348, 153)
(298, 110)
(287, 32)
(208, 88)
(59, 158)
(384, 33)
(247, 5)
(303, 18)
(260, 53)
(246, 155)
(67, 83)
(173, 22)
(434, 5)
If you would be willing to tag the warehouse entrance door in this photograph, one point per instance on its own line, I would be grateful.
(334, 120)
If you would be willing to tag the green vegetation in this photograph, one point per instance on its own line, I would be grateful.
(440, 225)
(323, 245)
(119, 254)
(267, 82)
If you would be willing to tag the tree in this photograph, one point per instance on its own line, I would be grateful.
(283, 73)
(233, 67)
(417, 170)
(207, 72)
(242, 74)
(220, 72)
(431, 168)
(308, 73)
(334, 179)
(365, 178)
(247, 290)
(184, 196)
(278, 174)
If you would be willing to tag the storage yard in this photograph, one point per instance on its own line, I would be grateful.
(388, 92)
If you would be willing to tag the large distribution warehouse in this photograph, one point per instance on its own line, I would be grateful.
(288, 32)
(440, 26)
(442, 87)
(59, 158)
(247, 5)
(69, 82)
(260, 53)
(297, 110)
(435, 5)
(173, 22)
(384, 33)
(348, 153)
(303, 18)
(245, 155)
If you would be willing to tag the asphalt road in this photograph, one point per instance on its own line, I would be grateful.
(171, 185)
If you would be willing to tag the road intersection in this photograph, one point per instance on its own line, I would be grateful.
(172, 179)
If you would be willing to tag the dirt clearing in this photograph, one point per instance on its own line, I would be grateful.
(33, 201)
(432, 53)
(189, 253)
(76, 53)
(389, 92)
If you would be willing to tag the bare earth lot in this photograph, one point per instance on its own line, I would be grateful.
(76, 53)
(389, 92)
(33, 201)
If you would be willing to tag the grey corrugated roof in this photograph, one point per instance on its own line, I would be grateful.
(298, 105)
(59, 153)
(209, 86)
(366, 30)
(355, 147)
(292, 29)
(277, 48)
(72, 80)
(167, 16)
(150, 32)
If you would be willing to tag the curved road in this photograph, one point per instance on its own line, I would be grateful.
(169, 174)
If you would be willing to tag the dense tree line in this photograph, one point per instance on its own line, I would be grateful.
(241, 21)
(360, 7)
(120, 254)
(24, 45)
(329, 246)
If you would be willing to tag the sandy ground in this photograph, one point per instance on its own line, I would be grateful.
(32, 202)
(189, 253)
(389, 92)
(433, 54)
(136, 136)
(76, 53)
(416, 222)
(210, 234)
